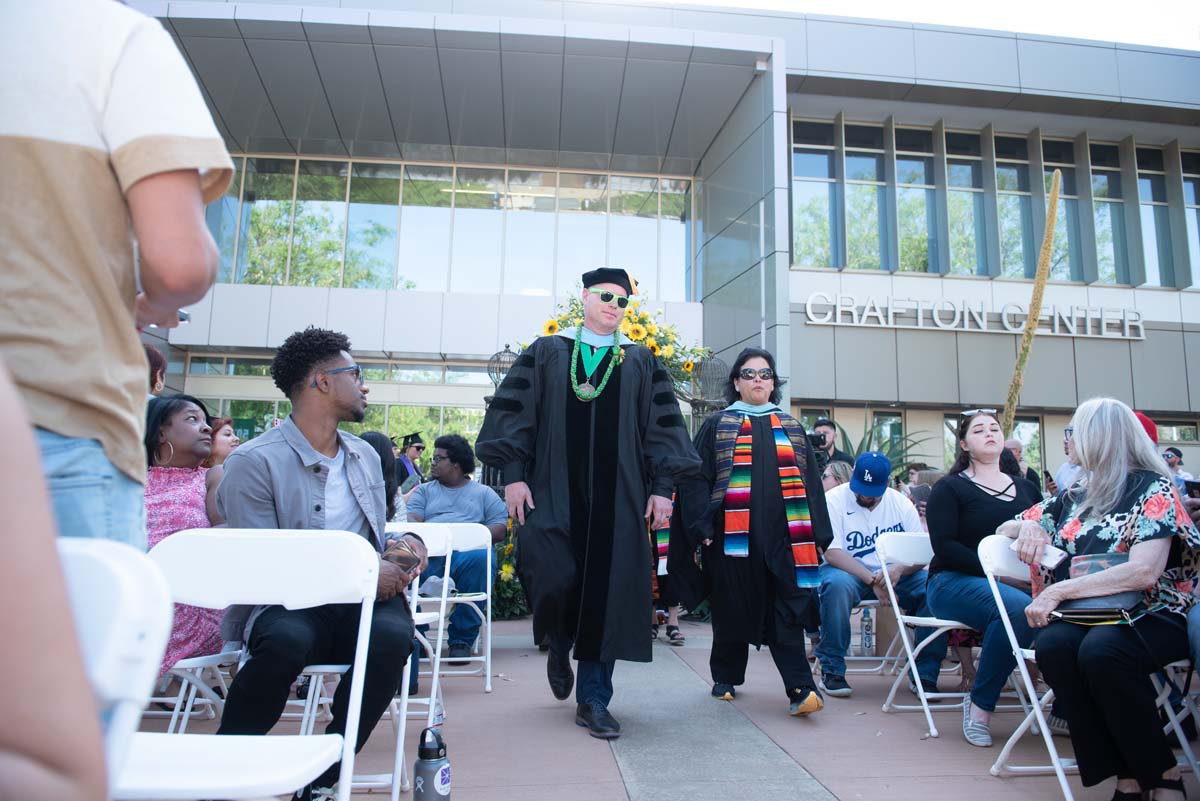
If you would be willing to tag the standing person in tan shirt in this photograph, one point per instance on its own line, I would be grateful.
(105, 143)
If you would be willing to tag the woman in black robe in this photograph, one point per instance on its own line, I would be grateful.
(764, 595)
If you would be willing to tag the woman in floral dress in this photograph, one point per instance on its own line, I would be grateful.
(180, 494)
(1125, 527)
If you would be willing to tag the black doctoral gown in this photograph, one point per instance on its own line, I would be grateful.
(749, 594)
(590, 467)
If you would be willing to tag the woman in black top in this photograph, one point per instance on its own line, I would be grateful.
(964, 507)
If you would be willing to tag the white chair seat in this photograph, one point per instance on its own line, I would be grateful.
(425, 618)
(932, 622)
(184, 767)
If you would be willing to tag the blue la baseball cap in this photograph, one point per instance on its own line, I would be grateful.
(871, 473)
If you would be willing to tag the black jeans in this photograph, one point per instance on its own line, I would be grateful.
(1101, 681)
(284, 641)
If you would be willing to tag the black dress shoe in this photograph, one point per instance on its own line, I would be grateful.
(558, 671)
(598, 721)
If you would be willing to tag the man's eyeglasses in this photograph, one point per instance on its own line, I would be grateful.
(438, 458)
(354, 368)
(612, 297)
(973, 412)
(749, 373)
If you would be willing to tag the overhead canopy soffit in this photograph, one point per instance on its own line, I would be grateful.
(341, 82)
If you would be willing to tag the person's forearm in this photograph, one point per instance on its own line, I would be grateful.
(1118, 578)
(29, 780)
(499, 530)
(1009, 528)
(843, 561)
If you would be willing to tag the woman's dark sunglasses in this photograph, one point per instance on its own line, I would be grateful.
(749, 373)
(613, 297)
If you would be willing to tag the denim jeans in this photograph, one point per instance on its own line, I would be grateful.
(594, 682)
(91, 497)
(469, 571)
(1193, 629)
(968, 599)
(840, 591)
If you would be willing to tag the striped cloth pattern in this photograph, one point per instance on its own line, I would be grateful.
(795, 501)
(661, 537)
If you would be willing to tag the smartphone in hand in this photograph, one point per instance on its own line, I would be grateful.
(400, 552)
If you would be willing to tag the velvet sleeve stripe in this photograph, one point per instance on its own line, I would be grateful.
(664, 398)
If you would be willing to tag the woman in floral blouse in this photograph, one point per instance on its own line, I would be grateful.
(1126, 508)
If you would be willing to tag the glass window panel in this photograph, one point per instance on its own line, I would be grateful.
(1156, 244)
(423, 420)
(266, 221)
(1111, 248)
(887, 429)
(1106, 156)
(1064, 255)
(1149, 158)
(914, 170)
(1190, 162)
(212, 405)
(371, 227)
(1152, 188)
(374, 372)
(674, 235)
(529, 233)
(869, 136)
(1012, 147)
(914, 140)
(1191, 191)
(478, 229)
(1012, 177)
(1029, 431)
(206, 365)
(260, 367)
(965, 174)
(812, 133)
(1018, 258)
(633, 230)
(1067, 186)
(417, 373)
(221, 216)
(465, 422)
(813, 209)
(424, 261)
(864, 167)
(250, 417)
(319, 228)
(373, 420)
(1173, 431)
(963, 144)
(812, 164)
(866, 226)
(918, 244)
(1058, 152)
(471, 376)
(1106, 183)
(968, 254)
(1193, 233)
(582, 229)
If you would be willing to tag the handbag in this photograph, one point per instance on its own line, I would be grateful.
(1099, 610)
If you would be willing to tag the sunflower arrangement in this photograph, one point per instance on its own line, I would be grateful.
(643, 328)
(508, 596)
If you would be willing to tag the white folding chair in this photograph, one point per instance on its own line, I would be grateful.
(199, 679)
(122, 611)
(296, 569)
(912, 549)
(474, 537)
(999, 561)
(890, 660)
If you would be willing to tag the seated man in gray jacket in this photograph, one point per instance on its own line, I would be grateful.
(306, 474)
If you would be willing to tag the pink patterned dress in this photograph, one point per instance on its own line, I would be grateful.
(175, 501)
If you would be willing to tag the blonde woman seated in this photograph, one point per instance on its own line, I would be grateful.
(1126, 515)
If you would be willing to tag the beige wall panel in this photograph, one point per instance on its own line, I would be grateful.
(1102, 368)
(1049, 374)
(1191, 351)
(926, 424)
(927, 363)
(1160, 376)
(866, 364)
(812, 367)
(985, 364)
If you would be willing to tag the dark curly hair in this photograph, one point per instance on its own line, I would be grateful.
(387, 462)
(731, 394)
(300, 353)
(458, 450)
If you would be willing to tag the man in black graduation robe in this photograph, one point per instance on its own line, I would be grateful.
(583, 472)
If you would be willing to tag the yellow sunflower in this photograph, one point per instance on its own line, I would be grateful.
(637, 332)
(507, 572)
(654, 348)
(651, 329)
(668, 351)
(652, 343)
(688, 366)
(508, 549)
(550, 328)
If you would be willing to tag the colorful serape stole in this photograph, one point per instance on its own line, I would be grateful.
(737, 496)
(795, 501)
(661, 538)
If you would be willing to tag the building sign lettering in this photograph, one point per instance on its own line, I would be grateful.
(1105, 322)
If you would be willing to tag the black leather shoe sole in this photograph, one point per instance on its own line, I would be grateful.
(560, 675)
(599, 732)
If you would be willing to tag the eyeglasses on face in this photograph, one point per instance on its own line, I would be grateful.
(439, 458)
(1069, 432)
(749, 373)
(612, 297)
(419, 448)
(973, 412)
(354, 368)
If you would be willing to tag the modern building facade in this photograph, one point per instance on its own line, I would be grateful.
(864, 198)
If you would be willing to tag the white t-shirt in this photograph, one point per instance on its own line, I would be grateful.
(342, 512)
(855, 529)
(1067, 474)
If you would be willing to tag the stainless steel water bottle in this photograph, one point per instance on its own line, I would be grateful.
(867, 632)
(431, 772)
